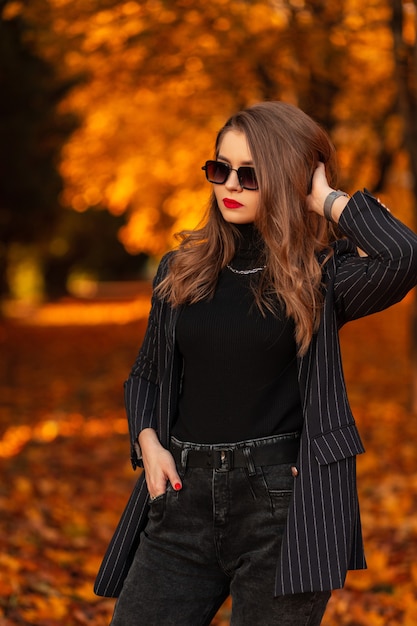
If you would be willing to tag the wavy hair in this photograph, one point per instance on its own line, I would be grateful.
(286, 146)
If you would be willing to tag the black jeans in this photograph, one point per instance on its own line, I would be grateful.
(220, 535)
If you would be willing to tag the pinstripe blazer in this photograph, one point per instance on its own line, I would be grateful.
(323, 532)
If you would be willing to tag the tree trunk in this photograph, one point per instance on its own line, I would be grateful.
(4, 283)
(405, 53)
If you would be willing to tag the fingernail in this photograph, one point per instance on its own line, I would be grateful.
(177, 486)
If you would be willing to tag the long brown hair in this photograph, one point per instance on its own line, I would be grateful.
(286, 145)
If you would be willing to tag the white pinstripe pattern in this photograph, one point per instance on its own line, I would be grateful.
(323, 536)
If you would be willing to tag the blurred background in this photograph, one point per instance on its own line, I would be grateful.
(108, 109)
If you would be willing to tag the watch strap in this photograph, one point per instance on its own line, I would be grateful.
(328, 203)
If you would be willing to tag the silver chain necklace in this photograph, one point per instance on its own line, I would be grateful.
(252, 271)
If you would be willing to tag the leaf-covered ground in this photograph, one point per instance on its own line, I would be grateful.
(65, 472)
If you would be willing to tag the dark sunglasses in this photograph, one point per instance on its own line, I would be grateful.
(218, 172)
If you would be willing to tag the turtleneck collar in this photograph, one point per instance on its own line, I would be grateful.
(249, 246)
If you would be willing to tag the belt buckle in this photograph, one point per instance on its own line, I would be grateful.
(225, 460)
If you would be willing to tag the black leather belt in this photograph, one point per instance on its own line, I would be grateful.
(283, 451)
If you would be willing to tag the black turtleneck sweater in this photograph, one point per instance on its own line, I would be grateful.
(240, 369)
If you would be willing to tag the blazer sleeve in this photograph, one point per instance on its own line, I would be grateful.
(365, 285)
(141, 387)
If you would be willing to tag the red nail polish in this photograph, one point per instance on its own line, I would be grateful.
(177, 486)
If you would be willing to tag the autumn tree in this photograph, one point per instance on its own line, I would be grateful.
(161, 76)
(178, 69)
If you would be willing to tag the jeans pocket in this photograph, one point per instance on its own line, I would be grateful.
(278, 482)
(154, 501)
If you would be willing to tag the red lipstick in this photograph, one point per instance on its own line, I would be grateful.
(231, 204)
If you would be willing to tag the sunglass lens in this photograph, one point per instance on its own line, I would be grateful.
(247, 178)
(217, 172)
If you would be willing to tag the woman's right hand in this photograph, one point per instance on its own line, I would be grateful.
(159, 464)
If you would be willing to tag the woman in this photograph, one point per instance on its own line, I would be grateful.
(236, 403)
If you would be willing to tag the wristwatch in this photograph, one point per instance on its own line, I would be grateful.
(328, 203)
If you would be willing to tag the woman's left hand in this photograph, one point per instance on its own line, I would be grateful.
(320, 189)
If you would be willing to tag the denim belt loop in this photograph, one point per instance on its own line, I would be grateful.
(184, 457)
(249, 460)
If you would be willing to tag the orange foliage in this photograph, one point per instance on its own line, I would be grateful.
(161, 77)
(66, 473)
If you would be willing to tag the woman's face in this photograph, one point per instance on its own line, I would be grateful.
(237, 205)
